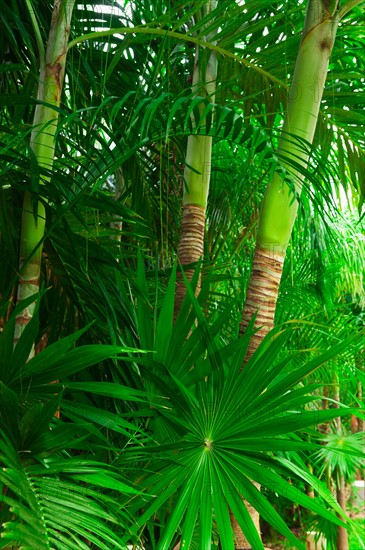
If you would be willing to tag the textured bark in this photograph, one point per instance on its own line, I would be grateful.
(28, 283)
(261, 300)
(342, 535)
(262, 295)
(279, 207)
(191, 248)
(198, 162)
(241, 543)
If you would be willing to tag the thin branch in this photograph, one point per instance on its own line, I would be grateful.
(37, 32)
(179, 36)
(348, 7)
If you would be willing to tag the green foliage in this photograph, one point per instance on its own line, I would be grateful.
(159, 433)
(220, 429)
(341, 456)
(57, 490)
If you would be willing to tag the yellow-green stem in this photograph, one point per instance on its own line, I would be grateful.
(51, 73)
(279, 207)
(197, 172)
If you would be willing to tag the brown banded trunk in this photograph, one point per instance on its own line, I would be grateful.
(279, 207)
(191, 248)
(261, 300)
(262, 294)
(198, 162)
(342, 534)
(240, 541)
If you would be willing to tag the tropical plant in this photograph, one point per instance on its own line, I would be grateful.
(128, 111)
(198, 159)
(220, 429)
(52, 59)
(58, 489)
(279, 208)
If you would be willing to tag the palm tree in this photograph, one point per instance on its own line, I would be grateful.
(279, 207)
(280, 204)
(197, 162)
(329, 293)
(52, 61)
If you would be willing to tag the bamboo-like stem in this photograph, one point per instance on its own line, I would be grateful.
(42, 142)
(279, 207)
(196, 176)
(348, 7)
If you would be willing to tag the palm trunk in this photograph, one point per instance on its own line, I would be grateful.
(342, 533)
(51, 73)
(342, 542)
(359, 362)
(279, 208)
(191, 247)
(196, 176)
(240, 541)
(262, 295)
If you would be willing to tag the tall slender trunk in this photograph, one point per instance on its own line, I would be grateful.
(42, 142)
(279, 207)
(342, 533)
(342, 542)
(360, 364)
(197, 171)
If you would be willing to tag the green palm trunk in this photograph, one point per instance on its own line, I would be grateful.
(197, 173)
(51, 74)
(279, 208)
